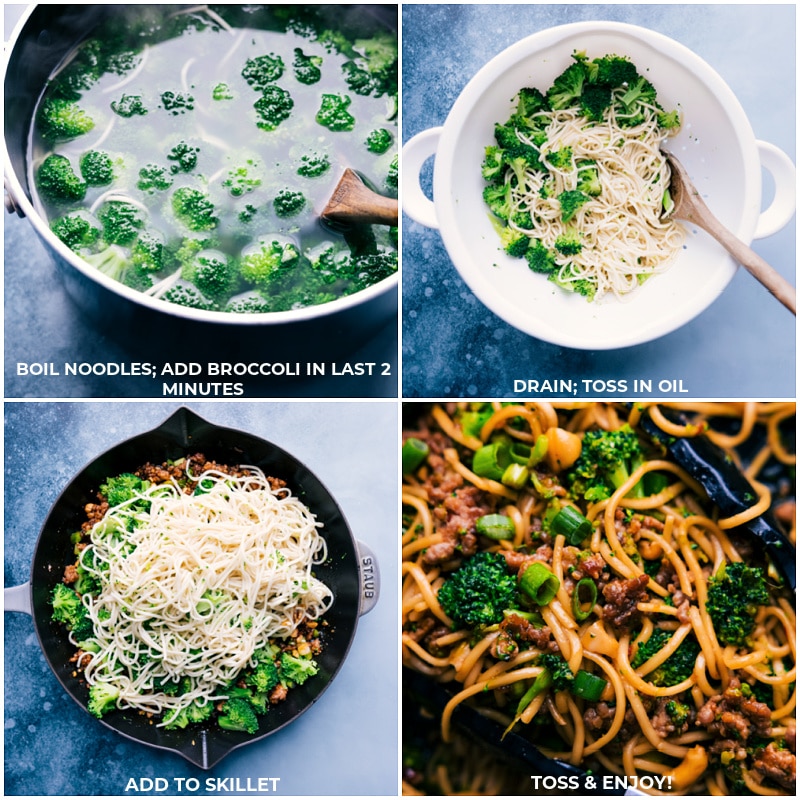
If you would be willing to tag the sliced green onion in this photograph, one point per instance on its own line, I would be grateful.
(539, 450)
(515, 476)
(495, 526)
(579, 612)
(520, 453)
(414, 452)
(572, 525)
(589, 687)
(491, 460)
(543, 682)
(539, 583)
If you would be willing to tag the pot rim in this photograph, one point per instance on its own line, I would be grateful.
(19, 197)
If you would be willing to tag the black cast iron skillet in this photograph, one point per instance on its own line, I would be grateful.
(725, 486)
(350, 571)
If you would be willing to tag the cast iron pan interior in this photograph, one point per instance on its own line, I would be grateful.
(182, 434)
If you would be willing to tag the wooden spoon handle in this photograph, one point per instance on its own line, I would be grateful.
(778, 286)
(353, 201)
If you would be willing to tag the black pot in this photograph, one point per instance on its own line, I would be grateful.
(329, 330)
(350, 572)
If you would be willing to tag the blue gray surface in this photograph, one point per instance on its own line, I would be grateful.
(346, 744)
(743, 345)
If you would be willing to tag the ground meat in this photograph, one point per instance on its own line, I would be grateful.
(455, 520)
(778, 765)
(663, 723)
(682, 605)
(277, 694)
(598, 718)
(521, 630)
(622, 597)
(521, 561)
(731, 715)
(592, 565)
(70, 573)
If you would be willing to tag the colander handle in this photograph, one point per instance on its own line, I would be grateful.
(370, 578)
(18, 598)
(416, 152)
(783, 204)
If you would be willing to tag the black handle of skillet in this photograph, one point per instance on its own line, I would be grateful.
(726, 486)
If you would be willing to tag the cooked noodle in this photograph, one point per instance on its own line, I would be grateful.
(192, 587)
(666, 548)
(625, 238)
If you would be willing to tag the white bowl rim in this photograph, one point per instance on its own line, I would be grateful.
(448, 212)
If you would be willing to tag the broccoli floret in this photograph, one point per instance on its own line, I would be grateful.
(571, 200)
(678, 712)
(379, 141)
(391, 175)
(569, 243)
(249, 304)
(540, 258)
(368, 269)
(199, 713)
(494, 165)
(67, 605)
(669, 120)
(214, 275)
(606, 461)
(583, 286)
(102, 699)
(184, 158)
(97, 168)
(129, 105)
(589, 178)
(614, 70)
(149, 253)
(678, 667)
(262, 71)
(560, 673)
(243, 179)
(295, 670)
(153, 178)
(378, 55)
(111, 261)
(184, 295)
(478, 592)
(358, 80)
(77, 232)
(567, 87)
(312, 165)
(734, 595)
(306, 68)
(82, 72)
(514, 243)
(266, 265)
(177, 102)
(60, 119)
(522, 219)
(289, 203)
(193, 209)
(122, 488)
(333, 113)
(498, 198)
(530, 102)
(57, 181)
(176, 718)
(121, 220)
(595, 99)
(222, 92)
(264, 678)
(238, 715)
(560, 159)
(639, 92)
(273, 107)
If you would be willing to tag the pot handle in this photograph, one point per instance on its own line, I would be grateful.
(18, 598)
(11, 203)
(416, 152)
(783, 204)
(369, 576)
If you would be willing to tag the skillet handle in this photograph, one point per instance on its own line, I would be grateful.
(18, 598)
(369, 575)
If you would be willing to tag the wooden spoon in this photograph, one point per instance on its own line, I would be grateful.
(353, 201)
(690, 207)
